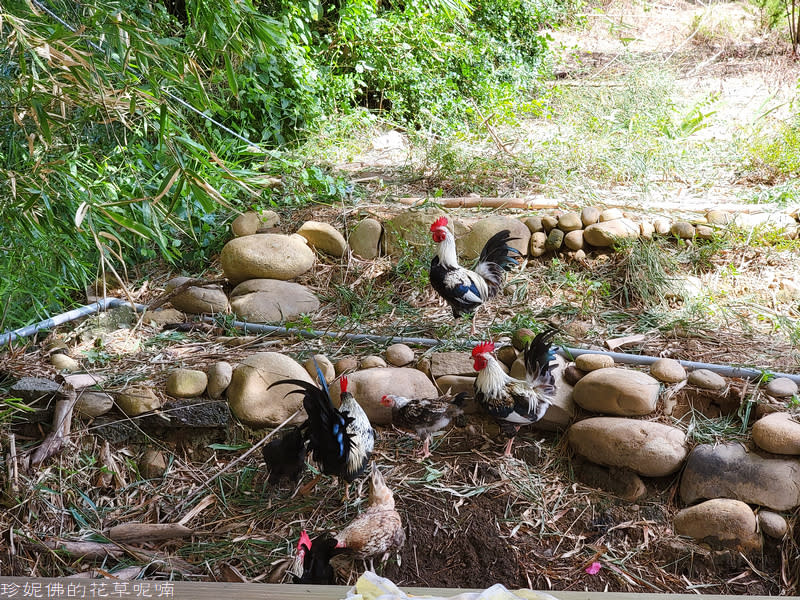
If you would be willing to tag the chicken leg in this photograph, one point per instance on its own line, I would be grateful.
(507, 451)
(425, 452)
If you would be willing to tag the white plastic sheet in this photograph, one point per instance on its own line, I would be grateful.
(372, 587)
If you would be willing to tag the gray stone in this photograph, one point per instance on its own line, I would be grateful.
(719, 217)
(534, 224)
(373, 362)
(721, 523)
(778, 433)
(252, 400)
(399, 355)
(324, 237)
(592, 362)
(569, 222)
(662, 226)
(707, 380)
(272, 301)
(325, 365)
(683, 230)
(549, 223)
(646, 230)
(245, 224)
(162, 317)
(616, 391)
(197, 299)
(371, 385)
(219, 378)
(470, 245)
(704, 232)
(554, 240)
(452, 363)
(345, 365)
(152, 465)
(574, 239)
(365, 239)
(621, 482)
(668, 370)
(266, 256)
(93, 404)
(611, 214)
(781, 387)
(772, 524)
(731, 471)
(137, 400)
(649, 448)
(590, 215)
(186, 383)
(537, 243)
(606, 233)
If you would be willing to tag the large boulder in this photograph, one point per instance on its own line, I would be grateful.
(614, 391)
(732, 471)
(266, 256)
(778, 433)
(271, 300)
(197, 299)
(649, 448)
(323, 237)
(250, 397)
(371, 385)
(722, 523)
(470, 245)
(412, 228)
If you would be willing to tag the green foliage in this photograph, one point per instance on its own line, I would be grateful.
(777, 156)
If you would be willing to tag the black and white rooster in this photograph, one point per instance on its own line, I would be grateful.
(425, 415)
(340, 440)
(511, 401)
(464, 289)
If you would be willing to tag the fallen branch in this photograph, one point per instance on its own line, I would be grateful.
(62, 425)
(85, 550)
(138, 532)
(476, 202)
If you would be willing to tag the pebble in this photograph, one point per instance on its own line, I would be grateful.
(323, 237)
(781, 387)
(572, 374)
(219, 378)
(186, 383)
(704, 232)
(549, 223)
(668, 370)
(721, 522)
(399, 355)
(365, 239)
(646, 230)
(719, 217)
(611, 214)
(683, 230)
(507, 355)
(554, 240)
(537, 243)
(590, 215)
(574, 239)
(772, 524)
(93, 404)
(137, 400)
(345, 365)
(707, 380)
(63, 362)
(245, 224)
(534, 224)
(325, 365)
(373, 362)
(152, 465)
(662, 226)
(569, 222)
(778, 433)
(592, 362)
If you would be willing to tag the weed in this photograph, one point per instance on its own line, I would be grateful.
(701, 429)
(645, 271)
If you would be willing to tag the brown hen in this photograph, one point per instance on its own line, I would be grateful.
(378, 530)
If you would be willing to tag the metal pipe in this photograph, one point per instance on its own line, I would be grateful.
(83, 311)
(567, 352)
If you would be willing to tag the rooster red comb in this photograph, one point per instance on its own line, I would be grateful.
(304, 541)
(343, 384)
(440, 222)
(482, 348)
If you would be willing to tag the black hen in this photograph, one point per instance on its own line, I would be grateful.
(286, 455)
(464, 289)
(316, 558)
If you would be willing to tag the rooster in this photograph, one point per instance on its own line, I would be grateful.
(424, 415)
(378, 530)
(312, 562)
(286, 455)
(340, 440)
(511, 401)
(465, 290)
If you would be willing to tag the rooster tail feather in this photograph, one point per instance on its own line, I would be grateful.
(498, 252)
(538, 357)
(322, 383)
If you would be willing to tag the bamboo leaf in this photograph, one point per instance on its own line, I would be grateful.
(231, 76)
